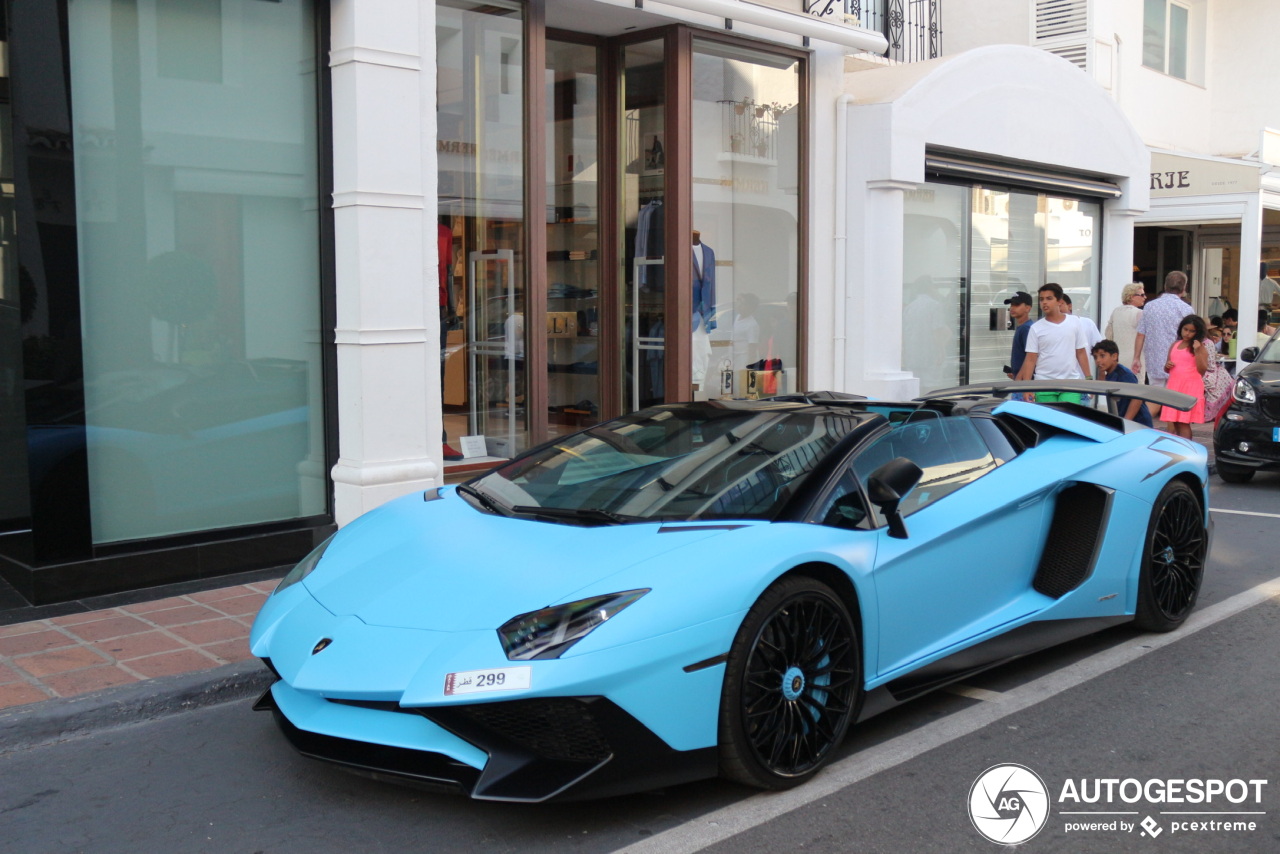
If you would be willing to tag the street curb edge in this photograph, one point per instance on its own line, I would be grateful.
(51, 721)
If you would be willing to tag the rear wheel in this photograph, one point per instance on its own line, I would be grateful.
(1234, 474)
(792, 685)
(1173, 560)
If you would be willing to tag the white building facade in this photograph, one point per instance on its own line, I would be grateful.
(270, 265)
(1194, 78)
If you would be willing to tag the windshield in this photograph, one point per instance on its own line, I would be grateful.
(696, 461)
(1270, 352)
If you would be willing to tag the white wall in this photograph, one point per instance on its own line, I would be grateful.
(967, 24)
(1245, 69)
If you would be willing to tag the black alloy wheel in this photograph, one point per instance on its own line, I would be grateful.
(792, 686)
(1173, 559)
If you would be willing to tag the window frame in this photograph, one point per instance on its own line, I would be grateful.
(1166, 40)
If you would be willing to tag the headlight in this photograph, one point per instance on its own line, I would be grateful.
(549, 632)
(1244, 392)
(304, 567)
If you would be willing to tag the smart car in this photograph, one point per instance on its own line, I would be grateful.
(1247, 436)
(725, 587)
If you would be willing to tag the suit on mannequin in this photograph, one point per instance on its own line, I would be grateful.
(704, 284)
(704, 306)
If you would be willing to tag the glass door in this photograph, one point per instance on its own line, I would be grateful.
(573, 237)
(642, 192)
(480, 141)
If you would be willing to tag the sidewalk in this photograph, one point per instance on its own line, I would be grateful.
(81, 653)
(201, 636)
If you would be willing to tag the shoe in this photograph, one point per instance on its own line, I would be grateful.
(450, 454)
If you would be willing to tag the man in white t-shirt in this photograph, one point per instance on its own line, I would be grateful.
(1091, 334)
(1056, 347)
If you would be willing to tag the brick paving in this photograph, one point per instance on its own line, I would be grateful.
(79, 653)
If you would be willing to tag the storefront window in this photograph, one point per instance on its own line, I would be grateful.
(197, 217)
(642, 192)
(573, 237)
(15, 505)
(933, 294)
(746, 226)
(1007, 254)
(480, 109)
(967, 250)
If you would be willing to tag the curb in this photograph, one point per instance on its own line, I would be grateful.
(50, 721)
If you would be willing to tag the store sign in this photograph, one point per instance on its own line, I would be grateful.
(1176, 175)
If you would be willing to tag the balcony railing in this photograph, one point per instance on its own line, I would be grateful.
(913, 28)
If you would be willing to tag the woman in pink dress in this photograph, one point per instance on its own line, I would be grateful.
(1188, 360)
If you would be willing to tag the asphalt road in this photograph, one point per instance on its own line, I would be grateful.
(1198, 704)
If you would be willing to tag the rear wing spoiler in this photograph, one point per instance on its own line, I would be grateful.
(1002, 388)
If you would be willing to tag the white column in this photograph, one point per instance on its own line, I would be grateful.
(1116, 265)
(383, 71)
(874, 317)
(1250, 261)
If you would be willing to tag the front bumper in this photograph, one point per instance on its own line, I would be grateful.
(531, 750)
(1260, 435)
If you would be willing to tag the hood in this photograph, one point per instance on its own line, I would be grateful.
(446, 566)
(1265, 375)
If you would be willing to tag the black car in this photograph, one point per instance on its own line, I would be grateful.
(1247, 438)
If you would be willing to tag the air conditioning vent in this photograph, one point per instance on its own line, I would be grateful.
(1056, 18)
(1076, 53)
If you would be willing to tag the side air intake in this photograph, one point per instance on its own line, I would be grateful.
(1079, 517)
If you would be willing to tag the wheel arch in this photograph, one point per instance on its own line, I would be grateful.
(839, 581)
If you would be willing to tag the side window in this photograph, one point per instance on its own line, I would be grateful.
(950, 451)
(844, 507)
(1001, 448)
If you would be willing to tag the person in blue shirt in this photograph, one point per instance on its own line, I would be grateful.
(1106, 355)
(1020, 310)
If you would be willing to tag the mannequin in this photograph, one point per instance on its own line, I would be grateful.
(704, 307)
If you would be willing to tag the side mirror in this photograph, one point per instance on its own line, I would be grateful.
(888, 485)
(1249, 354)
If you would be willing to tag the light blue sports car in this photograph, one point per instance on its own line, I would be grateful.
(725, 587)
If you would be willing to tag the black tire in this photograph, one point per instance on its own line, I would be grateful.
(1234, 474)
(792, 686)
(1172, 559)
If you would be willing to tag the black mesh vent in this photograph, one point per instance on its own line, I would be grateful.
(551, 729)
(1270, 406)
(1078, 518)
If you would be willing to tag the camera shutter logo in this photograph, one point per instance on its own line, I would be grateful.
(1008, 804)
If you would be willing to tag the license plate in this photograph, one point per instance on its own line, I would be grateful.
(1275, 434)
(494, 679)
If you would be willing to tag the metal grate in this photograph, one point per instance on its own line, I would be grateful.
(552, 728)
(1078, 520)
(1056, 18)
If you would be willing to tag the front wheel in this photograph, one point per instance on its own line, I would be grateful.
(792, 685)
(1173, 559)
(1234, 474)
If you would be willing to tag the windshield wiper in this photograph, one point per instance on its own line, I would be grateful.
(489, 503)
(577, 513)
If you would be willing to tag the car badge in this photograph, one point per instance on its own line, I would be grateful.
(322, 645)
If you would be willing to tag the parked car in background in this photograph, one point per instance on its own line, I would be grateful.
(1247, 436)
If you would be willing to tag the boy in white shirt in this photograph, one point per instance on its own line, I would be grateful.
(1056, 347)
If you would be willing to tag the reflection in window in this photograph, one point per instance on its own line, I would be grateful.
(199, 285)
(745, 240)
(967, 250)
(949, 451)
